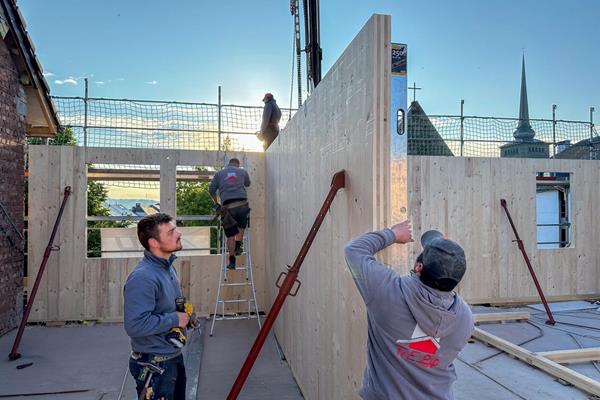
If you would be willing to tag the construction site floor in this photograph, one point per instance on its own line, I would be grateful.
(487, 373)
(69, 362)
(89, 362)
(224, 354)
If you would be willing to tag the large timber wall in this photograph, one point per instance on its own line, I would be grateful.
(75, 287)
(461, 197)
(343, 125)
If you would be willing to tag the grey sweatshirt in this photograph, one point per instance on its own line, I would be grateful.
(231, 183)
(270, 118)
(414, 332)
(149, 296)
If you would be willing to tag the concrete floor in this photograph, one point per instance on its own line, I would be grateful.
(77, 362)
(91, 359)
(89, 362)
(485, 370)
(224, 355)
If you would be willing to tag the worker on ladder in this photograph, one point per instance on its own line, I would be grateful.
(230, 184)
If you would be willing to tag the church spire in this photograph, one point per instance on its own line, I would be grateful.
(524, 130)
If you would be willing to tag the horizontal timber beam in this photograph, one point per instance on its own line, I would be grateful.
(501, 317)
(553, 368)
(572, 356)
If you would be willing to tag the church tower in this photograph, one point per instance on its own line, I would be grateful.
(524, 145)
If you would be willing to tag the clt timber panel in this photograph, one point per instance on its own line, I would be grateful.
(75, 287)
(344, 124)
(461, 197)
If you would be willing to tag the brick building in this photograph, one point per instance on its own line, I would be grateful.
(25, 109)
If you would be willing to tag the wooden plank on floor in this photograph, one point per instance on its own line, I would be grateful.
(501, 317)
(553, 368)
(572, 356)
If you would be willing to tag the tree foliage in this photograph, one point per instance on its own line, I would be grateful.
(64, 137)
(97, 195)
(193, 198)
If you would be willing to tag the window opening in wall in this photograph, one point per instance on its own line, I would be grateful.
(195, 210)
(118, 196)
(553, 210)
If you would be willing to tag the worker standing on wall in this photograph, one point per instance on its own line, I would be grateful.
(269, 128)
(230, 184)
(417, 324)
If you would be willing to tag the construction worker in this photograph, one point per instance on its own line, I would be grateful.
(230, 184)
(269, 128)
(150, 295)
(417, 324)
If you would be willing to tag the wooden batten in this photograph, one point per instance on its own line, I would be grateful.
(501, 317)
(572, 356)
(578, 380)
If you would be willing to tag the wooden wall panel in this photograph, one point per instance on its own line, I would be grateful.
(39, 225)
(461, 197)
(342, 125)
(75, 287)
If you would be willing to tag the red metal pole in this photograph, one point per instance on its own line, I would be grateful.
(13, 353)
(338, 182)
(550, 320)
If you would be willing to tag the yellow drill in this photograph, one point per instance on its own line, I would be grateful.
(177, 335)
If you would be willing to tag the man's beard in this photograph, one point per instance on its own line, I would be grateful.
(178, 246)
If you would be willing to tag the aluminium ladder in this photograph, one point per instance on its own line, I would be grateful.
(224, 282)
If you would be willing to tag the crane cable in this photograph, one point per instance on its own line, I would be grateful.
(296, 51)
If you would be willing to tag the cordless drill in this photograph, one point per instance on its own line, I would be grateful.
(176, 335)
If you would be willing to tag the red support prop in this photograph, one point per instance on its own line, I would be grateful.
(550, 320)
(13, 353)
(291, 277)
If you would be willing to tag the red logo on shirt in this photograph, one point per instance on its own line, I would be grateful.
(231, 177)
(420, 349)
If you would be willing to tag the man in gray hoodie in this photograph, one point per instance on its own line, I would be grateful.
(416, 324)
(269, 128)
(230, 185)
(150, 310)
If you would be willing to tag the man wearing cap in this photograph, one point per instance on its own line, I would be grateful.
(417, 324)
(269, 128)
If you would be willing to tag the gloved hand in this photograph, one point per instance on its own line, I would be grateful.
(217, 208)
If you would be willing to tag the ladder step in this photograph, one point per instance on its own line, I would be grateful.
(253, 316)
(237, 284)
(236, 301)
(251, 304)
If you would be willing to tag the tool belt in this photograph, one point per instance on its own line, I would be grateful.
(151, 358)
(154, 358)
(229, 223)
(236, 204)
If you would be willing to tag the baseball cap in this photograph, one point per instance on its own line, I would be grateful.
(444, 262)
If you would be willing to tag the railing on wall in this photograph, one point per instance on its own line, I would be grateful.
(105, 122)
(471, 136)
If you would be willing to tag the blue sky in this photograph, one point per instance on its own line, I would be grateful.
(184, 49)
